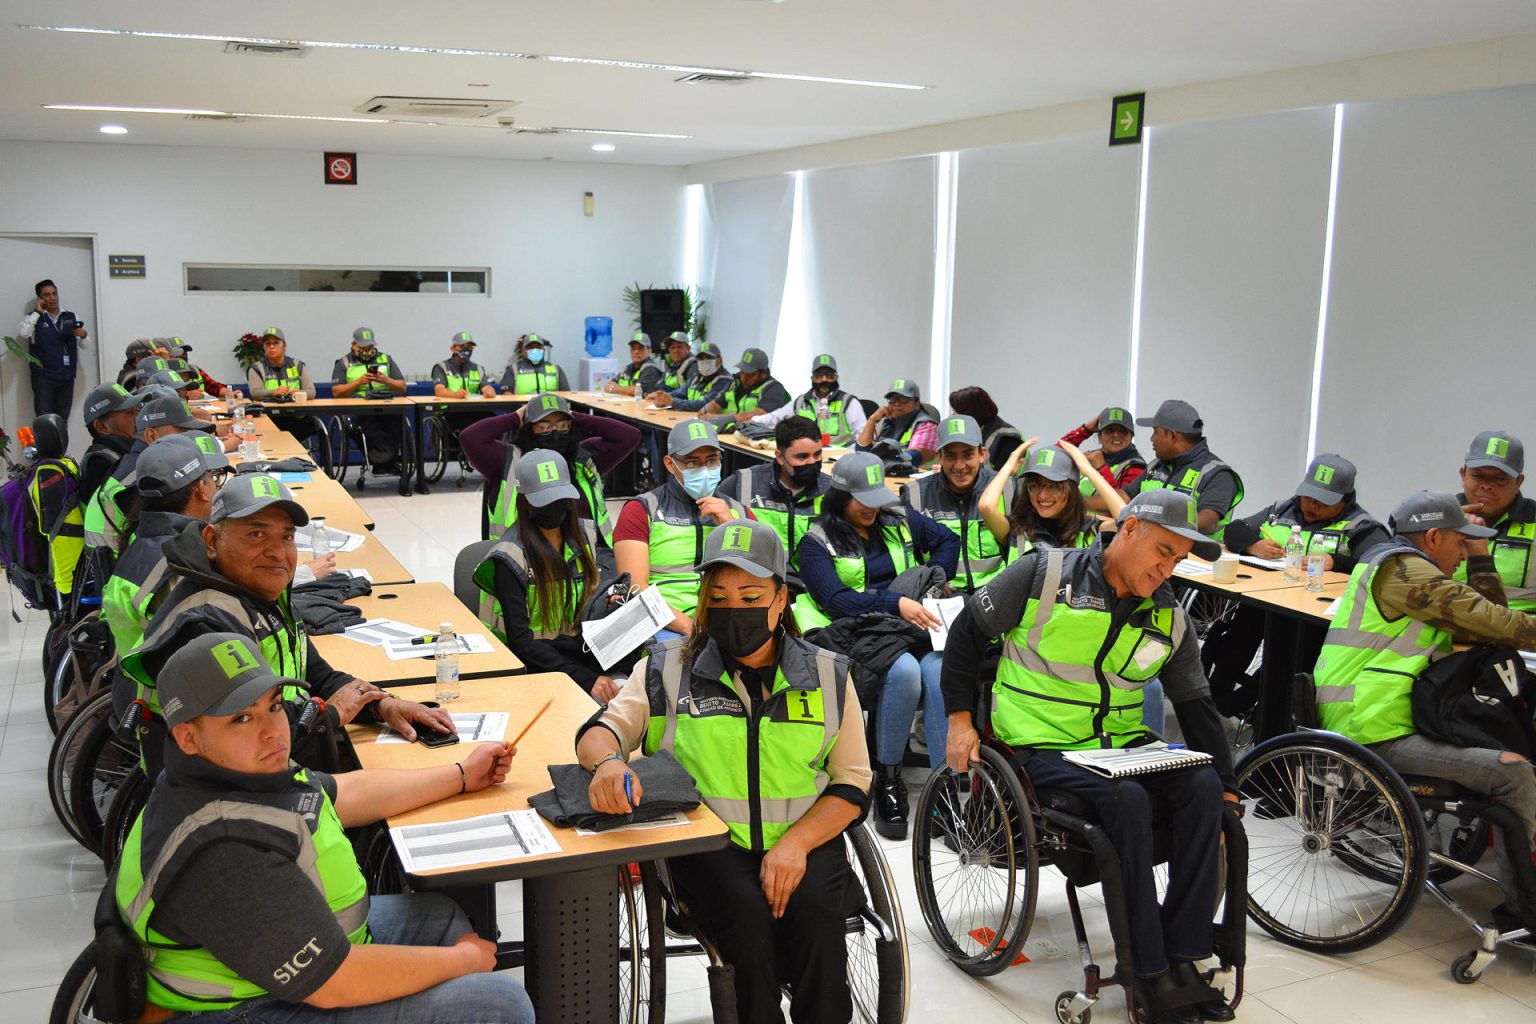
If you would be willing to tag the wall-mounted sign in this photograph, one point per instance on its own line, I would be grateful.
(341, 168)
(125, 265)
(1126, 116)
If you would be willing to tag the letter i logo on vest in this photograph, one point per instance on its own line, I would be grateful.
(233, 658)
(548, 472)
(1191, 477)
(737, 538)
(1498, 447)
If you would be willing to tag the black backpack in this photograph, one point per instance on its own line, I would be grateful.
(1480, 697)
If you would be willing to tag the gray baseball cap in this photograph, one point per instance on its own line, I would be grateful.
(825, 361)
(145, 371)
(681, 336)
(364, 336)
(1433, 510)
(1329, 477)
(1053, 463)
(462, 338)
(274, 332)
(862, 475)
(1174, 415)
(753, 360)
(544, 405)
(168, 412)
(138, 348)
(640, 338)
(1117, 416)
(217, 674)
(172, 379)
(150, 392)
(959, 430)
(904, 387)
(108, 398)
(1173, 511)
(747, 544)
(542, 477)
(174, 462)
(709, 348)
(691, 435)
(1497, 448)
(534, 339)
(245, 494)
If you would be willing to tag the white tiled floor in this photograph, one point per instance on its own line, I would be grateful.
(48, 885)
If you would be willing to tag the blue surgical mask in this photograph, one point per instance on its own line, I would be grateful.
(701, 482)
(535, 355)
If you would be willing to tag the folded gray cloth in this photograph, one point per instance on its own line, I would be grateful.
(666, 789)
(339, 585)
(919, 582)
(296, 464)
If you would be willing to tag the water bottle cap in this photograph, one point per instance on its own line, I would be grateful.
(445, 627)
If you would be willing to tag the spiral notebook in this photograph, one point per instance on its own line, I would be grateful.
(1127, 761)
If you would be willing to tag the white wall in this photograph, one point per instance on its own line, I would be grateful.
(550, 266)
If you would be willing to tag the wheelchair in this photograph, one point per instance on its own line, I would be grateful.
(978, 843)
(879, 974)
(1343, 846)
(106, 983)
(344, 438)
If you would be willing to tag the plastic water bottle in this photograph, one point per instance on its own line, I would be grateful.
(446, 654)
(1295, 557)
(320, 537)
(1315, 571)
(250, 441)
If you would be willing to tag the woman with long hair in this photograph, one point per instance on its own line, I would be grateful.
(1053, 513)
(539, 578)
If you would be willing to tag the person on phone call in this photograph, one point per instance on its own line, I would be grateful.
(54, 339)
(234, 825)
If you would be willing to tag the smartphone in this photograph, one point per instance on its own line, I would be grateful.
(432, 738)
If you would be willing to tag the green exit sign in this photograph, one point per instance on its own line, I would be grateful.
(1126, 116)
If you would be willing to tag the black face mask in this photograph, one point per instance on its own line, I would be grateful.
(555, 441)
(739, 631)
(805, 476)
(551, 516)
(823, 388)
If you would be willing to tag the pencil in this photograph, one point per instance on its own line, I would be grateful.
(536, 716)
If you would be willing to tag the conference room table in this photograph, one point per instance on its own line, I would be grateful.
(427, 404)
(425, 605)
(570, 898)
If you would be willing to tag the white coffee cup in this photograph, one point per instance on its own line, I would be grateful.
(1224, 569)
(299, 396)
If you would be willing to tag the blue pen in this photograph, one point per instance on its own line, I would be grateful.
(629, 793)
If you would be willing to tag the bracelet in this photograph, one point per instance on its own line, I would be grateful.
(615, 756)
(463, 779)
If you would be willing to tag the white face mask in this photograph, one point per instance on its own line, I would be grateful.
(708, 366)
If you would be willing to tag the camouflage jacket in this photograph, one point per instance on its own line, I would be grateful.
(1473, 612)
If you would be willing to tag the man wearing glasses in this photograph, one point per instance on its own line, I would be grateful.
(660, 533)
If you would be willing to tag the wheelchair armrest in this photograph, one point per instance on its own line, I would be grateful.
(120, 981)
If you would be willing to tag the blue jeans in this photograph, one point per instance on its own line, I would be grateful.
(908, 683)
(416, 919)
(1153, 711)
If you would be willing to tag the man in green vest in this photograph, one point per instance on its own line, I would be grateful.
(787, 492)
(459, 376)
(1491, 476)
(531, 372)
(642, 374)
(950, 498)
(754, 392)
(836, 413)
(117, 499)
(1400, 614)
(1084, 630)
(706, 382)
(239, 882)
(109, 414)
(365, 372)
(679, 365)
(1186, 463)
(276, 378)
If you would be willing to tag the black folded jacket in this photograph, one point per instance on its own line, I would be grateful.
(296, 464)
(666, 789)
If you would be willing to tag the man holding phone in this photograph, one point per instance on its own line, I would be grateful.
(366, 372)
(53, 338)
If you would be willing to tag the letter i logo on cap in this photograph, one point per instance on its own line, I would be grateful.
(264, 487)
(1045, 458)
(1498, 447)
(207, 445)
(233, 658)
(957, 426)
(1324, 474)
(875, 475)
(551, 401)
(698, 431)
(737, 538)
(548, 472)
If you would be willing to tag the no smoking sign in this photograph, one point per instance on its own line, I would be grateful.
(341, 168)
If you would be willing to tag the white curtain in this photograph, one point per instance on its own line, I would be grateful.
(742, 272)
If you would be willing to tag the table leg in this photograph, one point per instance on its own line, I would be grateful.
(1282, 637)
(571, 926)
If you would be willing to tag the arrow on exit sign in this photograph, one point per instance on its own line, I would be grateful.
(1126, 117)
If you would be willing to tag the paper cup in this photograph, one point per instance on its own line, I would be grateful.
(1224, 569)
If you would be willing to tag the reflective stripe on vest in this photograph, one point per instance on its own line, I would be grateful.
(700, 387)
(1368, 663)
(732, 401)
(470, 382)
(981, 557)
(510, 550)
(540, 378)
(104, 519)
(287, 375)
(1189, 483)
(851, 568)
(1511, 550)
(716, 740)
(378, 364)
(677, 545)
(674, 377)
(1057, 686)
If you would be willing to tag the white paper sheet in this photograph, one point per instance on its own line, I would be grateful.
(626, 627)
(670, 821)
(403, 650)
(1192, 567)
(947, 610)
(506, 835)
(1262, 563)
(358, 574)
(341, 540)
(472, 727)
(378, 632)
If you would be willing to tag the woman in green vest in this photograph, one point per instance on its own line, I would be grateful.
(1053, 514)
(771, 730)
(531, 372)
(536, 582)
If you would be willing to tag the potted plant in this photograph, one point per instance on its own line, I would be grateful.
(248, 351)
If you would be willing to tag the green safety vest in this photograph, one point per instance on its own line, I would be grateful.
(1049, 691)
(104, 516)
(1021, 545)
(758, 489)
(981, 557)
(584, 475)
(1085, 485)
(733, 402)
(1189, 483)
(835, 423)
(631, 373)
(1328, 539)
(183, 821)
(470, 381)
(509, 550)
(699, 387)
(378, 364)
(761, 770)
(674, 377)
(1368, 664)
(1511, 550)
(528, 379)
(289, 375)
(65, 536)
(851, 567)
(677, 543)
(140, 579)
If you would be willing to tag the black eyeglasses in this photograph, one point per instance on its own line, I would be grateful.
(540, 429)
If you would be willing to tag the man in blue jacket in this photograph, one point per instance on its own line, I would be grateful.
(53, 338)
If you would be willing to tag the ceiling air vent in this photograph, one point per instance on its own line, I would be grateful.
(266, 49)
(434, 107)
(229, 118)
(705, 78)
(516, 130)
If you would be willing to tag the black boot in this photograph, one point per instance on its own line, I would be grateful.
(1150, 996)
(890, 798)
(1186, 974)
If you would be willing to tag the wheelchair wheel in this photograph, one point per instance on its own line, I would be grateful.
(58, 684)
(381, 865)
(879, 974)
(436, 440)
(131, 797)
(1206, 610)
(64, 760)
(103, 767)
(642, 946)
(976, 863)
(1337, 848)
(336, 439)
(75, 1001)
